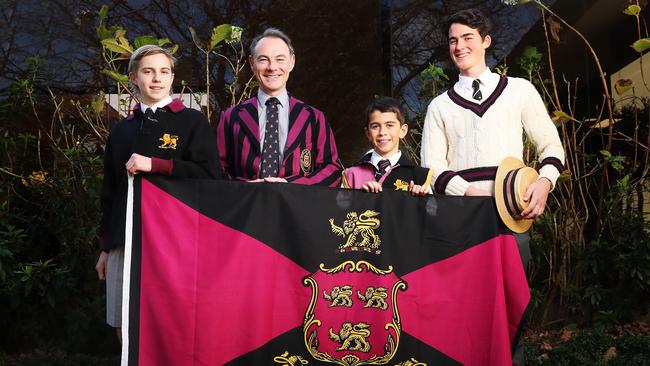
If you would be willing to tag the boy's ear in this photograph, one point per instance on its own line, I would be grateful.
(133, 78)
(487, 41)
(403, 130)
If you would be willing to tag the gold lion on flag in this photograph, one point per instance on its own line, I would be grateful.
(356, 225)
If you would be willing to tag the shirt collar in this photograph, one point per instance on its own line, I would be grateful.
(283, 97)
(374, 158)
(162, 103)
(486, 78)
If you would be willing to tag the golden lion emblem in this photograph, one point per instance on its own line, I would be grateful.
(401, 185)
(374, 298)
(340, 296)
(356, 226)
(168, 141)
(352, 337)
(286, 360)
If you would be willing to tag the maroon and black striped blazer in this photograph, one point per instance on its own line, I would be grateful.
(310, 140)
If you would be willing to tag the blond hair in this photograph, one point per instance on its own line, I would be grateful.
(147, 50)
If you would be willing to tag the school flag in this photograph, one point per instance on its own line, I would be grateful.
(231, 273)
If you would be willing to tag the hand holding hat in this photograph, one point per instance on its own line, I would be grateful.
(512, 195)
(536, 196)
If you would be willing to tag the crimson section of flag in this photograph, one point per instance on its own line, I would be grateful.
(227, 273)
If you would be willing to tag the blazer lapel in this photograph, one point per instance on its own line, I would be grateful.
(298, 116)
(250, 125)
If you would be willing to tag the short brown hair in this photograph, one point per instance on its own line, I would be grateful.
(385, 105)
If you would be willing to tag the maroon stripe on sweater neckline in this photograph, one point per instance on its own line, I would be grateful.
(479, 109)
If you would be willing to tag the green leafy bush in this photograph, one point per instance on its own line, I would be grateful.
(51, 170)
(590, 347)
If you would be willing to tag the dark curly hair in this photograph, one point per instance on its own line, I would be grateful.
(472, 18)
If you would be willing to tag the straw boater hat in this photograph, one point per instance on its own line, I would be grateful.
(512, 179)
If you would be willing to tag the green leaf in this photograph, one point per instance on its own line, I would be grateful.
(163, 42)
(174, 49)
(624, 183)
(633, 10)
(606, 154)
(103, 11)
(641, 45)
(532, 54)
(120, 32)
(235, 34)
(565, 176)
(435, 73)
(103, 33)
(124, 42)
(560, 117)
(219, 33)
(117, 47)
(99, 102)
(144, 40)
(116, 76)
(196, 39)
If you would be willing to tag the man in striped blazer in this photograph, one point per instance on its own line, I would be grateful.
(274, 137)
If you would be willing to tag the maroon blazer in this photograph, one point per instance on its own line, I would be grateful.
(310, 155)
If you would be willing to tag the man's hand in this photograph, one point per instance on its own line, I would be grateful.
(417, 190)
(275, 180)
(536, 196)
(473, 191)
(138, 163)
(372, 186)
(100, 267)
(268, 180)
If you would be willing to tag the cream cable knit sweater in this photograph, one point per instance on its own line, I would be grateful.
(455, 137)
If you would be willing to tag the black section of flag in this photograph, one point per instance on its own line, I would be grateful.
(444, 234)
(293, 344)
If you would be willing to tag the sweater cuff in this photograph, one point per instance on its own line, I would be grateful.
(161, 166)
(457, 186)
(551, 168)
(551, 173)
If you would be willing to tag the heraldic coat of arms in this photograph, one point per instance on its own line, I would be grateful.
(353, 318)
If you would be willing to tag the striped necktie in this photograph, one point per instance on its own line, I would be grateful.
(382, 166)
(476, 94)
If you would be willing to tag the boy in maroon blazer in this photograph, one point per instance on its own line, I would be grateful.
(274, 137)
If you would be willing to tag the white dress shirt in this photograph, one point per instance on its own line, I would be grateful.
(488, 81)
(375, 158)
(162, 103)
